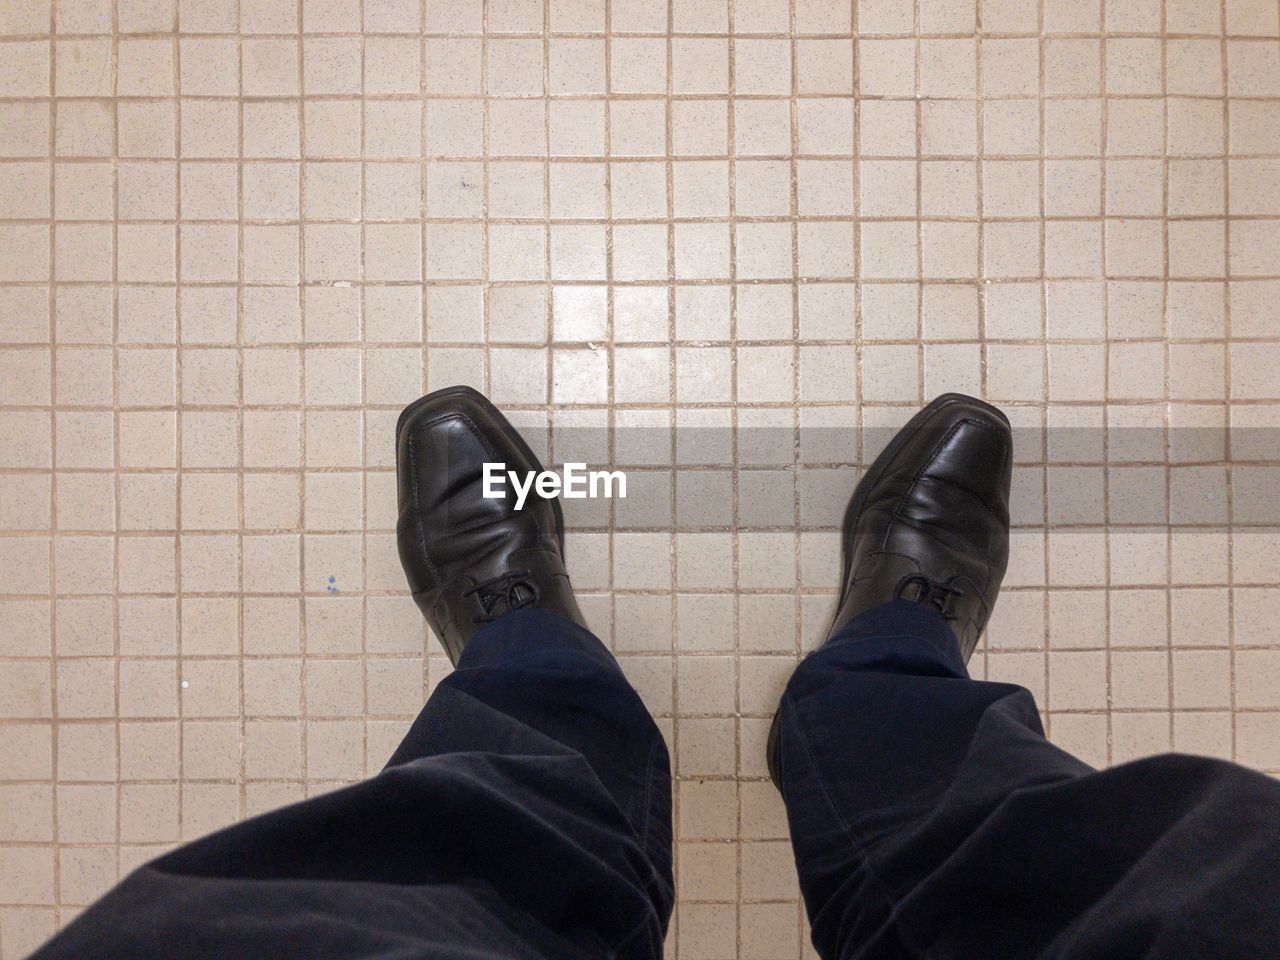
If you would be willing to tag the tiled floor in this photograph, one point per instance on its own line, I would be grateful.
(237, 238)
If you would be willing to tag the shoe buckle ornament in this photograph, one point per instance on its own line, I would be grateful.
(937, 595)
(513, 589)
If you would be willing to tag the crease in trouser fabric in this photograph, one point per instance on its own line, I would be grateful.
(527, 814)
(931, 818)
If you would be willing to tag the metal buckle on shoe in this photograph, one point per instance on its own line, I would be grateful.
(937, 595)
(511, 588)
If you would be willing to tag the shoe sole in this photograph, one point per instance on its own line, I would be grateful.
(508, 431)
(853, 513)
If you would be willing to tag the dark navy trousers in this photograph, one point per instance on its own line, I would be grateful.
(528, 815)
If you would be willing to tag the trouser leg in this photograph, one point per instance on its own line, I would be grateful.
(526, 814)
(930, 817)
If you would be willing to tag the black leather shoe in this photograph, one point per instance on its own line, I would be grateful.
(929, 522)
(469, 558)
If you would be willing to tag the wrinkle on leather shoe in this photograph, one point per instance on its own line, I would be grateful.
(469, 558)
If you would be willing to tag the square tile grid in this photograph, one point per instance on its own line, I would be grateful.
(730, 244)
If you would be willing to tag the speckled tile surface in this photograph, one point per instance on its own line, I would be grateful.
(733, 243)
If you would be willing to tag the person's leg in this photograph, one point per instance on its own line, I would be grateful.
(931, 818)
(541, 673)
(526, 814)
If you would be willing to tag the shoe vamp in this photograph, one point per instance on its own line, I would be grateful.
(445, 460)
(937, 514)
(468, 531)
(446, 489)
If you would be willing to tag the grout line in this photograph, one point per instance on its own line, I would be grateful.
(485, 172)
(179, 401)
(1168, 456)
(242, 792)
(797, 607)
(300, 611)
(1045, 372)
(1106, 387)
(424, 212)
(364, 396)
(1228, 392)
(919, 201)
(116, 488)
(1119, 722)
(677, 784)
(610, 322)
(980, 252)
(55, 712)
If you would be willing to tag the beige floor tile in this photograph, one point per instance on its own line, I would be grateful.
(233, 246)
